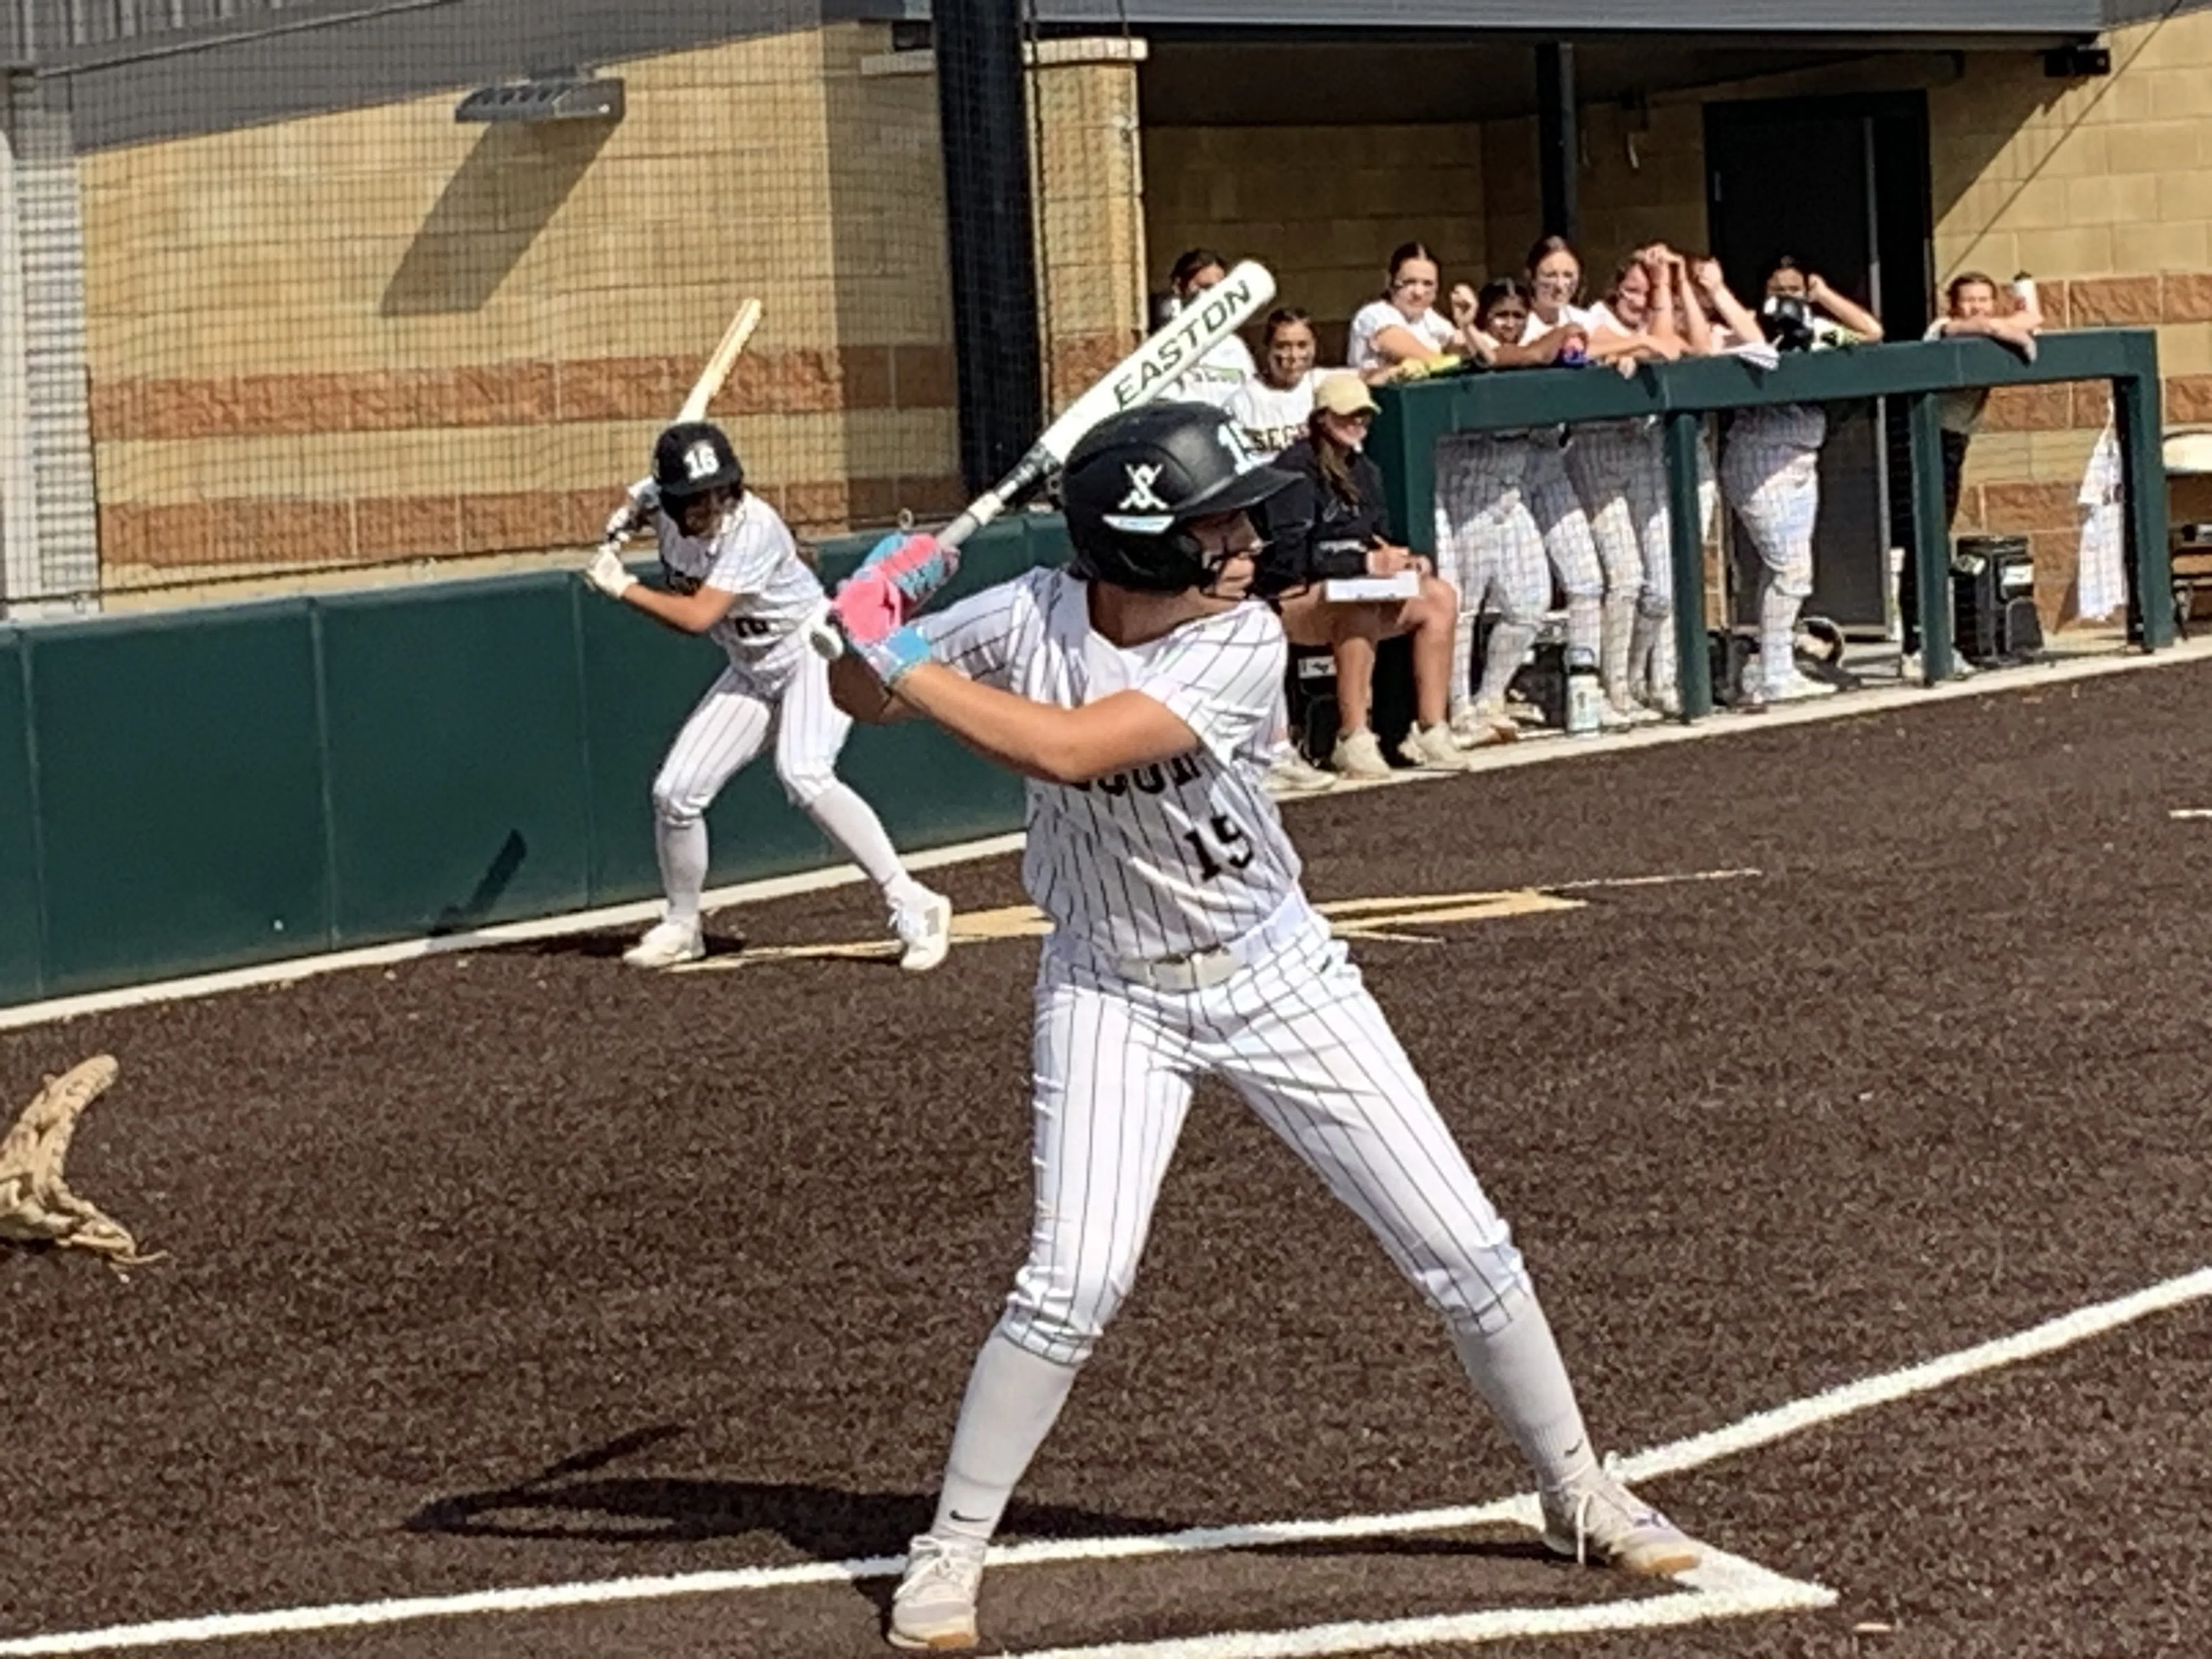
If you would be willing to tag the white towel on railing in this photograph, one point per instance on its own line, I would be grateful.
(2102, 583)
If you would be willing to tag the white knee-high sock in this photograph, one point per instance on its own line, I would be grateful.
(1013, 1399)
(1463, 669)
(1519, 1371)
(852, 824)
(1509, 646)
(1777, 631)
(1586, 622)
(1619, 630)
(681, 845)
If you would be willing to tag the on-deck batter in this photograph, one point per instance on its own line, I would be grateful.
(1136, 691)
(734, 575)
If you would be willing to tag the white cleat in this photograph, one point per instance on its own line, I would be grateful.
(1290, 776)
(933, 1609)
(1601, 1522)
(1479, 726)
(1794, 687)
(926, 929)
(667, 944)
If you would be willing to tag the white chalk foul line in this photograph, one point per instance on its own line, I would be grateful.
(1729, 1586)
(1726, 1584)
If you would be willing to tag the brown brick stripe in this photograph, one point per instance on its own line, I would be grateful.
(2109, 302)
(800, 381)
(295, 533)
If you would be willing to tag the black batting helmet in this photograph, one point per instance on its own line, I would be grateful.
(693, 457)
(1134, 483)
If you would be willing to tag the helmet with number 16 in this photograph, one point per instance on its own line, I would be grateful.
(1137, 481)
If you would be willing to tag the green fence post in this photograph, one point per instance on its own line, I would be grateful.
(2150, 562)
(1685, 532)
(1931, 538)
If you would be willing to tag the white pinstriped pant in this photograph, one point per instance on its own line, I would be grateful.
(1567, 541)
(1774, 485)
(1619, 471)
(733, 722)
(1300, 1038)
(1487, 539)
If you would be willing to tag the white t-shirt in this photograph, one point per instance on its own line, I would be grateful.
(1430, 327)
(751, 554)
(1216, 376)
(1272, 417)
(1168, 859)
(1537, 328)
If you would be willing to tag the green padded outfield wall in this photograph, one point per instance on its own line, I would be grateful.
(181, 797)
(209, 788)
(19, 846)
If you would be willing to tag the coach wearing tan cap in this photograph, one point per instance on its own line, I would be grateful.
(1328, 525)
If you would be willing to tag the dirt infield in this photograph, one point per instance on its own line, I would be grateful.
(519, 1269)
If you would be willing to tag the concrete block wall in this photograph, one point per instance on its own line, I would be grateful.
(1321, 207)
(377, 334)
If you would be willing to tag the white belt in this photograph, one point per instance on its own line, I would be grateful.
(1201, 970)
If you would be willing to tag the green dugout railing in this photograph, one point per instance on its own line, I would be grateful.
(1680, 395)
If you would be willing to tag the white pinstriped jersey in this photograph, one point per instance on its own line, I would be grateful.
(751, 554)
(1164, 860)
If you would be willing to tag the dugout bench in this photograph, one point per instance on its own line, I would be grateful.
(1680, 395)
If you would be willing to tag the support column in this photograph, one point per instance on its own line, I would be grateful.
(984, 128)
(50, 519)
(2149, 561)
(1931, 539)
(1559, 144)
(1694, 673)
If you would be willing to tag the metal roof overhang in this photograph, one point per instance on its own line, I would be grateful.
(1861, 21)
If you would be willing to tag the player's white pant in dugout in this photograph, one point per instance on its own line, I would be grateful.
(1293, 1029)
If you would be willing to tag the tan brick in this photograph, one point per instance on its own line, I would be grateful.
(406, 526)
(817, 507)
(2029, 409)
(515, 522)
(616, 388)
(2185, 193)
(2019, 506)
(2189, 400)
(2152, 147)
(2186, 348)
(923, 376)
(2079, 251)
(2124, 301)
(2119, 200)
(2187, 296)
(2160, 245)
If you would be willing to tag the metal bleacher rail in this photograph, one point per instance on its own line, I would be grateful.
(1679, 395)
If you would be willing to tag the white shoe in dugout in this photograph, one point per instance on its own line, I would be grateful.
(667, 944)
(1433, 749)
(1289, 776)
(1357, 755)
(925, 928)
(934, 1606)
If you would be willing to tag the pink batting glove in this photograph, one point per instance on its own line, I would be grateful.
(869, 607)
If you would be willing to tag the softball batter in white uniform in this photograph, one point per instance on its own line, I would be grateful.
(734, 575)
(1135, 690)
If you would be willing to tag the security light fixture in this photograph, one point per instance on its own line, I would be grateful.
(560, 95)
